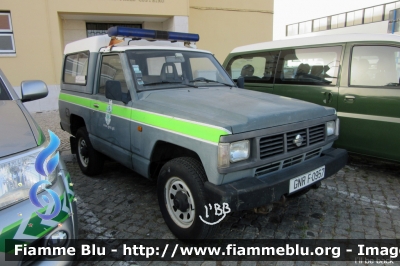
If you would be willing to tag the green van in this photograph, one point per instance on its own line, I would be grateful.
(358, 74)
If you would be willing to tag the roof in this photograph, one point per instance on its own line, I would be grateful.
(96, 43)
(326, 39)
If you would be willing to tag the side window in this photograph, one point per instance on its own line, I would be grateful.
(375, 66)
(310, 66)
(111, 69)
(255, 68)
(75, 68)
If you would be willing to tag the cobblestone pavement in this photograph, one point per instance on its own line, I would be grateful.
(360, 202)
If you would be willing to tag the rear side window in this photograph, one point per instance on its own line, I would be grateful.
(3, 92)
(75, 68)
(375, 66)
(309, 66)
(254, 68)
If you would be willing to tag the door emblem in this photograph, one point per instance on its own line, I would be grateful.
(108, 112)
(298, 140)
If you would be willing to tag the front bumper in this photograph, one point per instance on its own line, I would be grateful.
(252, 192)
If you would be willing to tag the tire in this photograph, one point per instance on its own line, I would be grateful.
(180, 178)
(90, 161)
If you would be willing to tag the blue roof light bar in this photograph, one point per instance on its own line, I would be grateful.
(119, 31)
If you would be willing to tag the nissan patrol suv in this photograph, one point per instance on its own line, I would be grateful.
(153, 102)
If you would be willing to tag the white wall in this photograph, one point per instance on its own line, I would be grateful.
(177, 23)
(293, 11)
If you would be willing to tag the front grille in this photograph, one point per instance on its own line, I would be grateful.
(292, 161)
(275, 166)
(275, 144)
(268, 169)
(270, 146)
(317, 134)
(311, 154)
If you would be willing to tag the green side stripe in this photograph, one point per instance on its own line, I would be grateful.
(36, 227)
(13, 226)
(188, 128)
(74, 99)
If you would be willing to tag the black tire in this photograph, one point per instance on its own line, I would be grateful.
(188, 176)
(90, 161)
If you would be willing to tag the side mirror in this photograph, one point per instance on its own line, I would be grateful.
(33, 90)
(240, 82)
(114, 91)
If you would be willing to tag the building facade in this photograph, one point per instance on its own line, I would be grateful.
(322, 17)
(33, 34)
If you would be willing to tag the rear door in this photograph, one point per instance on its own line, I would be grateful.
(369, 100)
(309, 74)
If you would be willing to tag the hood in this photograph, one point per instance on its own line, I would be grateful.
(237, 110)
(15, 133)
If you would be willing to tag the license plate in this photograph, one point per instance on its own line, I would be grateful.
(306, 179)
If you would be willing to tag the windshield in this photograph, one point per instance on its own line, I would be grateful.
(168, 69)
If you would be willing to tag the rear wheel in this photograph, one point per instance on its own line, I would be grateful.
(181, 196)
(90, 161)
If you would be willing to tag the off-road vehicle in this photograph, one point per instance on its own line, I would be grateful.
(153, 102)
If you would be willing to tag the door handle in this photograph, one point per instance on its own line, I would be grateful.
(324, 93)
(95, 105)
(349, 98)
(327, 98)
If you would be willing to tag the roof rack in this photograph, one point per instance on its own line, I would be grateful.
(138, 34)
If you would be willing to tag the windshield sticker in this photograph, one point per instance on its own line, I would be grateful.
(80, 79)
(138, 74)
(136, 69)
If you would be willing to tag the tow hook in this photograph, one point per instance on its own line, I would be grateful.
(265, 209)
(316, 185)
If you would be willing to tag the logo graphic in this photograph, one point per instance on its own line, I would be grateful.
(298, 140)
(108, 112)
(218, 212)
(45, 169)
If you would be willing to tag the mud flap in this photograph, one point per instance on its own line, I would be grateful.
(72, 144)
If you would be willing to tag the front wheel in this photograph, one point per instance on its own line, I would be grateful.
(181, 196)
(90, 161)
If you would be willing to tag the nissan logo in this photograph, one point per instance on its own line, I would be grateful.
(298, 140)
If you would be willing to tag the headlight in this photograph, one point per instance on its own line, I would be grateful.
(239, 151)
(17, 175)
(234, 152)
(330, 128)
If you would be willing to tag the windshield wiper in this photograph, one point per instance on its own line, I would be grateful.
(210, 80)
(161, 82)
(170, 82)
